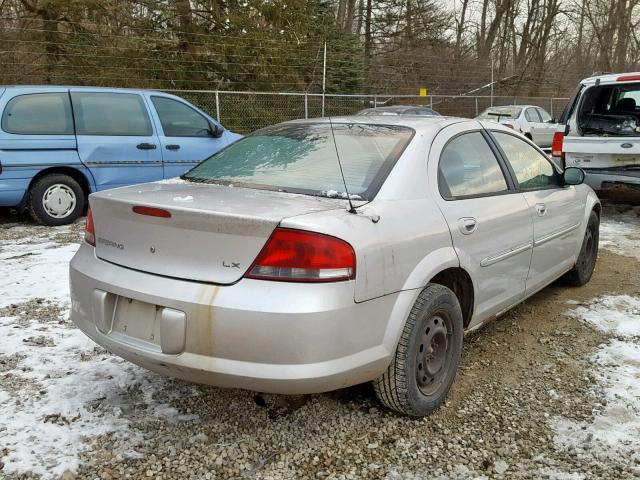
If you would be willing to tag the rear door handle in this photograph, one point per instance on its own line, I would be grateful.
(146, 146)
(467, 225)
(541, 208)
(172, 147)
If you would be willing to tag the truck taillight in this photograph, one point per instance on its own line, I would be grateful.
(90, 231)
(300, 256)
(556, 144)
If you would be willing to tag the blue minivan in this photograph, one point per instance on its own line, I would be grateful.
(59, 144)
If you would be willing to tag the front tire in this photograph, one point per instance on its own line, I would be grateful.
(427, 356)
(581, 273)
(56, 199)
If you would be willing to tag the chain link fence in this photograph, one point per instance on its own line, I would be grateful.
(244, 112)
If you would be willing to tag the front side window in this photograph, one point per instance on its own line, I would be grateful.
(38, 114)
(532, 115)
(180, 120)
(544, 115)
(533, 170)
(468, 167)
(110, 114)
(302, 158)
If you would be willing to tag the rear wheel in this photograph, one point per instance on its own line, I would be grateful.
(586, 263)
(427, 356)
(56, 199)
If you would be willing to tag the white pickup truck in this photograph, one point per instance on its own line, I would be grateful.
(599, 132)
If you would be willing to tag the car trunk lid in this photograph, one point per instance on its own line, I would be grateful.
(213, 234)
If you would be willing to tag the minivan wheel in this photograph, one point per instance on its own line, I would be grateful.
(581, 273)
(56, 199)
(427, 356)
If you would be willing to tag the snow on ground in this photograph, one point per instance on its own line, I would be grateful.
(620, 233)
(37, 270)
(58, 388)
(614, 431)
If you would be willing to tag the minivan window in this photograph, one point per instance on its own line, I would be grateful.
(302, 158)
(38, 114)
(117, 114)
(533, 170)
(180, 120)
(468, 167)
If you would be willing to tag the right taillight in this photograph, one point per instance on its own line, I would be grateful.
(89, 230)
(300, 256)
(556, 144)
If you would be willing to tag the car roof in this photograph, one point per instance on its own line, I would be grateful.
(425, 124)
(612, 78)
(397, 108)
(79, 87)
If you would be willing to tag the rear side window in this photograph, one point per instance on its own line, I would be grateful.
(533, 170)
(119, 114)
(468, 167)
(180, 120)
(38, 114)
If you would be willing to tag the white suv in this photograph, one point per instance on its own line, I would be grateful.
(600, 133)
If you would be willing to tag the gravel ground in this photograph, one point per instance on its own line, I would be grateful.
(527, 401)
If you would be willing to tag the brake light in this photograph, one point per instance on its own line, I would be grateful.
(152, 211)
(89, 230)
(556, 144)
(508, 125)
(628, 78)
(300, 256)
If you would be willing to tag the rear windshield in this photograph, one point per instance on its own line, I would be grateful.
(301, 158)
(496, 113)
(611, 110)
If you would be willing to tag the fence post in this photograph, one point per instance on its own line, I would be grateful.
(306, 105)
(477, 107)
(551, 112)
(431, 102)
(375, 101)
(217, 106)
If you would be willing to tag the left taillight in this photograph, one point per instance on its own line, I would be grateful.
(301, 256)
(89, 230)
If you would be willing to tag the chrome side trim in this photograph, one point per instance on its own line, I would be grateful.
(498, 257)
(554, 235)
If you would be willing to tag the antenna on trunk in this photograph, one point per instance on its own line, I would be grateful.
(344, 181)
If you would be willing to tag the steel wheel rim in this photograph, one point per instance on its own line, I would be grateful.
(434, 353)
(59, 200)
(589, 248)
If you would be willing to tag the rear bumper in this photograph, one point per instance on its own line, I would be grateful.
(267, 336)
(616, 185)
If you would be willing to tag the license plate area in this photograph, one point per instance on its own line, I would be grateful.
(136, 320)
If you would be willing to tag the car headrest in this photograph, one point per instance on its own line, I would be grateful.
(626, 105)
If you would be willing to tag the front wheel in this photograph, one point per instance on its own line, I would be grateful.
(56, 199)
(427, 356)
(582, 271)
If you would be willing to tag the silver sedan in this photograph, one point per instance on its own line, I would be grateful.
(314, 255)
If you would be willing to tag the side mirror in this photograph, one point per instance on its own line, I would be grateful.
(573, 176)
(215, 130)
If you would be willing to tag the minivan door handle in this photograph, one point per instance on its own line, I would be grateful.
(467, 225)
(146, 146)
(541, 208)
(173, 147)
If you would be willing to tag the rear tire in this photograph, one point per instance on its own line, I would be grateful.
(581, 273)
(56, 199)
(427, 356)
